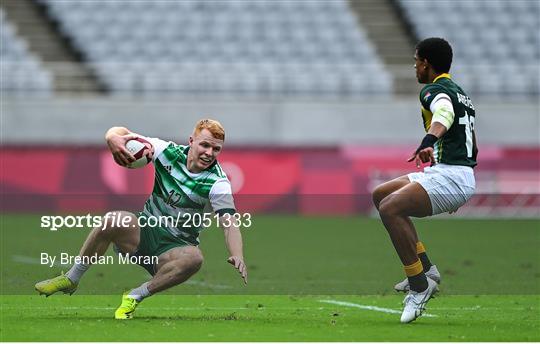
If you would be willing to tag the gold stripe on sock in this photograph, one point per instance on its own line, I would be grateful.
(420, 248)
(413, 269)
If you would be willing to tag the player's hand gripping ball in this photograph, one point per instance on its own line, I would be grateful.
(141, 150)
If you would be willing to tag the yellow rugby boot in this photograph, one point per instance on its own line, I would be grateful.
(53, 285)
(126, 309)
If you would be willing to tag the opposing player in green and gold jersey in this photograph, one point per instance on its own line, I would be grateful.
(188, 180)
(450, 147)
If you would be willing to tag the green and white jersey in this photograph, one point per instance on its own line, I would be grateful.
(456, 146)
(179, 193)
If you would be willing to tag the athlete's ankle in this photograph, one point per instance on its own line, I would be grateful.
(76, 272)
(140, 293)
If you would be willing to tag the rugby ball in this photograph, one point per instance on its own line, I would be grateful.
(137, 147)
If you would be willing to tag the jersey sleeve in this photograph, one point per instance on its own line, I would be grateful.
(158, 144)
(442, 109)
(221, 197)
(428, 94)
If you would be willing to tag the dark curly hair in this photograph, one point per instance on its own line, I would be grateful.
(437, 51)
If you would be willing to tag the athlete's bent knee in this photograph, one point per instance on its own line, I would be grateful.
(196, 259)
(388, 207)
(377, 196)
(188, 260)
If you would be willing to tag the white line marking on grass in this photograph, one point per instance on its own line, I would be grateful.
(37, 261)
(341, 303)
(369, 308)
(33, 261)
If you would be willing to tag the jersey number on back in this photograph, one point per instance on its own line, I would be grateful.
(468, 121)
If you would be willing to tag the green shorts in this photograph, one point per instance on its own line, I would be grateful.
(153, 242)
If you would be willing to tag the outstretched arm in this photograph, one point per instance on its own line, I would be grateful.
(424, 153)
(233, 240)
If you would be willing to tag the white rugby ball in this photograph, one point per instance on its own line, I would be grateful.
(136, 147)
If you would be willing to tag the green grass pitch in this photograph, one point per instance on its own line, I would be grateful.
(310, 279)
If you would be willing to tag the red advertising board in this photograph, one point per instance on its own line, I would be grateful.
(310, 181)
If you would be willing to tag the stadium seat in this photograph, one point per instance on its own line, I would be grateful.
(498, 33)
(21, 72)
(214, 32)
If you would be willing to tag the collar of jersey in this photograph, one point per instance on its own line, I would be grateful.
(186, 150)
(443, 75)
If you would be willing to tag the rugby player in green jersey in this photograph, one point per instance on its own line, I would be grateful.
(188, 180)
(450, 148)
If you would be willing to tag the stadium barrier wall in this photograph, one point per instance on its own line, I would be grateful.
(316, 181)
(256, 122)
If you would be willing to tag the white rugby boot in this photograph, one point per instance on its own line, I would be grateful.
(432, 274)
(415, 302)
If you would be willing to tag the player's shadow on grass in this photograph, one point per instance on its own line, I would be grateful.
(217, 317)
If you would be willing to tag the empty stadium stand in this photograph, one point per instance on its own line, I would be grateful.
(40, 33)
(496, 43)
(299, 48)
(267, 47)
(21, 72)
(391, 35)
